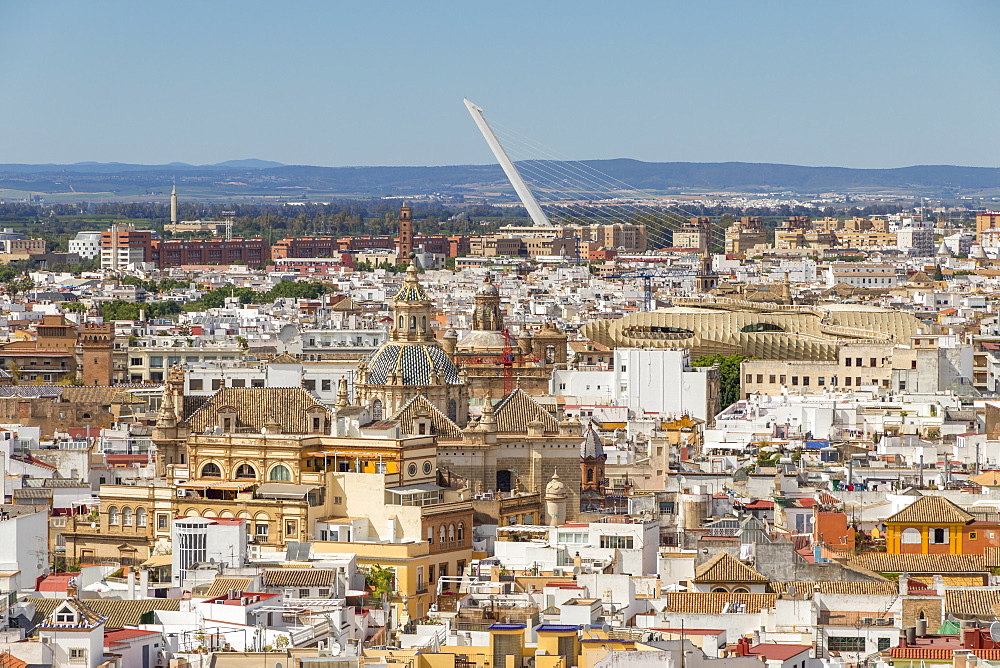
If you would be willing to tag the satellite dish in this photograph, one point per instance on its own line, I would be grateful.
(335, 648)
(995, 631)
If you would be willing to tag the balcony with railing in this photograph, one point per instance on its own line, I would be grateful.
(439, 546)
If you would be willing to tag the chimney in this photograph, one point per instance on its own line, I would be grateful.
(131, 585)
(939, 585)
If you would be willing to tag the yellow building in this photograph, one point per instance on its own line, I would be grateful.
(295, 470)
(934, 525)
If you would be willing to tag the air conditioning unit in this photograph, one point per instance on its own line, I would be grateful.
(884, 622)
(867, 620)
(181, 491)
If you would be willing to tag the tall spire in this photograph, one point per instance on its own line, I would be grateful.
(173, 205)
(412, 312)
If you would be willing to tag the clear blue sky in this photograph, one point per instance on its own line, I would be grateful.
(855, 84)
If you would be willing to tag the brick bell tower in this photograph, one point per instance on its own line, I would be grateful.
(405, 247)
(96, 345)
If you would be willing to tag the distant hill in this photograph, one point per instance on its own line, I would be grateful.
(121, 167)
(253, 177)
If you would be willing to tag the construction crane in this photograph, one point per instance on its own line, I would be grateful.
(647, 276)
(504, 360)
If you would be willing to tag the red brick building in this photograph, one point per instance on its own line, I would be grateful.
(176, 252)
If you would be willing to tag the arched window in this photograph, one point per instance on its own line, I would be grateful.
(453, 410)
(377, 409)
(400, 326)
(211, 470)
(741, 590)
(910, 536)
(590, 475)
(126, 517)
(140, 517)
(423, 323)
(113, 516)
(461, 531)
(451, 532)
(280, 473)
(441, 534)
(430, 535)
(720, 590)
(413, 323)
(246, 471)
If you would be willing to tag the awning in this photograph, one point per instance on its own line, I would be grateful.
(159, 561)
(416, 489)
(216, 484)
(284, 490)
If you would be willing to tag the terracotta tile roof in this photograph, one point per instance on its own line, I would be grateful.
(221, 586)
(724, 567)
(939, 653)
(255, 407)
(982, 603)
(951, 580)
(773, 651)
(984, 654)
(120, 613)
(875, 588)
(8, 660)
(299, 577)
(419, 404)
(93, 394)
(517, 409)
(882, 562)
(934, 509)
(695, 603)
(987, 478)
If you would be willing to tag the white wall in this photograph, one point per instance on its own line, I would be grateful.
(660, 381)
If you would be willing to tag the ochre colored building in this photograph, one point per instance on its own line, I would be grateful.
(935, 525)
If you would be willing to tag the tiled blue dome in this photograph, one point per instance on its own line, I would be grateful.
(414, 362)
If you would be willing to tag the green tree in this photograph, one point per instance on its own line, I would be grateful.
(382, 581)
(938, 275)
(729, 376)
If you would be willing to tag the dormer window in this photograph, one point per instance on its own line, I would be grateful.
(65, 616)
(227, 419)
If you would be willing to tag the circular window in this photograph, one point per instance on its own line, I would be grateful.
(427, 467)
(412, 469)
